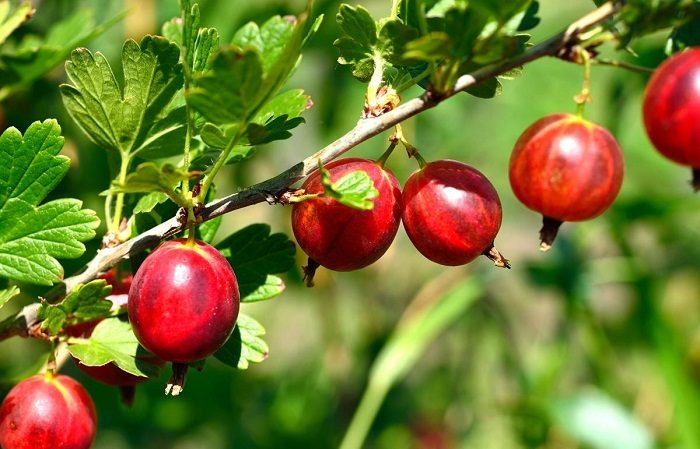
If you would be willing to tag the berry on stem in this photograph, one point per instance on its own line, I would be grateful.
(672, 110)
(567, 169)
(47, 412)
(339, 237)
(452, 213)
(184, 301)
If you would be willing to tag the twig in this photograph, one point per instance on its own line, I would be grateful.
(272, 189)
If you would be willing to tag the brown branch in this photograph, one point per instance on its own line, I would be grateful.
(272, 189)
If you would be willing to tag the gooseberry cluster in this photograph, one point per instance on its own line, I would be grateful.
(184, 300)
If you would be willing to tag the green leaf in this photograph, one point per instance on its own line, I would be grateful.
(149, 177)
(272, 287)
(10, 21)
(358, 46)
(598, 422)
(8, 294)
(114, 341)
(207, 230)
(254, 253)
(685, 36)
(486, 89)
(231, 91)
(34, 56)
(123, 120)
(245, 344)
(270, 39)
(166, 137)
(85, 302)
(357, 23)
(200, 43)
(149, 201)
(31, 237)
(355, 189)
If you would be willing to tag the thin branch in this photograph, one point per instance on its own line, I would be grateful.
(272, 189)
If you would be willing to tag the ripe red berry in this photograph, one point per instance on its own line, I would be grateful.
(339, 237)
(47, 412)
(184, 300)
(566, 168)
(672, 110)
(452, 213)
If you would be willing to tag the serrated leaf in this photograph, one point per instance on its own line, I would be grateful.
(8, 294)
(277, 117)
(200, 43)
(34, 56)
(245, 345)
(355, 189)
(272, 287)
(10, 21)
(270, 39)
(31, 237)
(116, 119)
(166, 137)
(486, 89)
(230, 92)
(149, 177)
(597, 421)
(149, 201)
(254, 253)
(112, 340)
(358, 46)
(85, 302)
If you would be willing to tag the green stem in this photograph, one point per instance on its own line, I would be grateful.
(364, 416)
(413, 81)
(623, 65)
(219, 163)
(383, 158)
(585, 95)
(395, 9)
(119, 206)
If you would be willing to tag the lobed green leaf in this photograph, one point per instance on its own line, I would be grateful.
(113, 341)
(8, 294)
(85, 302)
(124, 120)
(31, 236)
(355, 189)
(245, 345)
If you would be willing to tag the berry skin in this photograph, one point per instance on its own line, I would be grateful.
(184, 301)
(672, 110)
(339, 237)
(452, 213)
(47, 412)
(567, 169)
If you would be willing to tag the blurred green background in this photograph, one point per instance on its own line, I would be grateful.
(593, 345)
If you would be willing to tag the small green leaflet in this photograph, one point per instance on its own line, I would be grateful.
(33, 57)
(8, 294)
(149, 177)
(200, 43)
(114, 341)
(245, 344)
(85, 302)
(255, 254)
(355, 189)
(32, 236)
(149, 201)
(357, 47)
(130, 120)
(10, 21)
